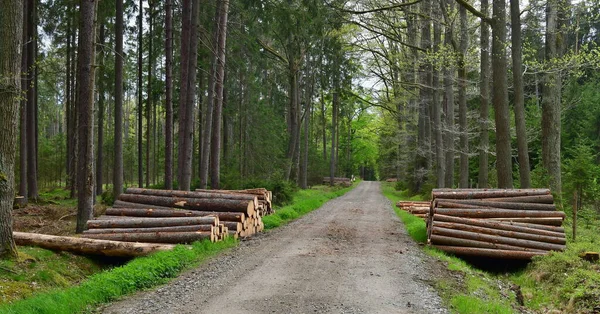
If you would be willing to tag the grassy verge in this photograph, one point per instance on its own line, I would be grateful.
(560, 282)
(304, 202)
(43, 281)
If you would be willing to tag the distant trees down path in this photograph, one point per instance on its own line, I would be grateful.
(11, 28)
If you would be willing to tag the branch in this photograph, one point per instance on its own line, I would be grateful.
(272, 51)
(392, 7)
(474, 11)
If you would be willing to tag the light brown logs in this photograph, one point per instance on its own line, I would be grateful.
(88, 246)
(191, 228)
(494, 204)
(123, 204)
(491, 193)
(152, 222)
(443, 240)
(551, 221)
(141, 212)
(531, 225)
(202, 204)
(236, 226)
(497, 225)
(502, 233)
(155, 237)
(496, 239)
(189, 194)
(261, 195)
(539, 199)
(471, 251)
(497, 213)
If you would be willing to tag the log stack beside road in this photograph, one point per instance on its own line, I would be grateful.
(338, 181)
(498, 223)
(419, 209)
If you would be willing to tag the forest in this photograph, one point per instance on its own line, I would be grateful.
(98, 96)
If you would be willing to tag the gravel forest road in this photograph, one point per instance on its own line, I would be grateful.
(352, 255)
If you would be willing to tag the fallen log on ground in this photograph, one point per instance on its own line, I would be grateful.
(88, 246)
(191, 228)
(217, 205)
(490, 193)
(155, 237)
(152, 222)
(190, 194)
(497, 213)
(141, 212)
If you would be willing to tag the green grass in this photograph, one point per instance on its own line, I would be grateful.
(140, 273)
(304, 202)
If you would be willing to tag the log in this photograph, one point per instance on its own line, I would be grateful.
(155, 237)
(539, 199)
(261, 195)
(550, 221)
(491, 193)
(496, 239)
(557, 229)
(470, 251)
(443, 240)
(191, 228)
(498, 213)
(233, 225)
(88, 246)
(123, 204)
(141, 212)
(497, 225)
(498, 232)
(152, 222)
(202, 204)
(494, 204)
(190, 194)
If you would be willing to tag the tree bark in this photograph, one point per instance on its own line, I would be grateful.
(517, 64)
(500, 96)
(215, 160)
(118, 163)
(85, 72)
(157, 237)
(437, 108)
(423, 134)
(169, 95)
(11, 28)
(32, 184)
(149, 100)
(23, 108)
(140, 104)
(551, 102)
(449, 108)
(334, 114)
(99, 150)
(484, 94)
(462, 101)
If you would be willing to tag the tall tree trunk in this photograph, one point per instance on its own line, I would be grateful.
(334, 114)
(72, 115)
(215, 160)
(169, 95)
(484, 96)
(517, 64)
(149, 96)
(85, 72)
(437, 108)
(32, 184)
(292, 117)
(118, 163)
(23, 108)
(139, 95)
(551, 102)
(99, 150)
(423, 139)
(500, 96)
(450, 125)
(324, 125)
(11, 28)
(462, 101)
(188, 84)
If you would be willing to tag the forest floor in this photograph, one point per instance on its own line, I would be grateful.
(352, 255)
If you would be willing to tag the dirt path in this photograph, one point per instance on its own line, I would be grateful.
(350, 256)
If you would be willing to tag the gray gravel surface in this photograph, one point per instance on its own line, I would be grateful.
(352, 255)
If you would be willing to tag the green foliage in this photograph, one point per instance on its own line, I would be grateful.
(582, 173)
(140, 273)
(107, 197)
(305, 201)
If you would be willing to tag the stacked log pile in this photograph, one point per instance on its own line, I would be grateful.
(171, 216)
(264, 197)
(511, 224)
(338, 181)
(419, 209)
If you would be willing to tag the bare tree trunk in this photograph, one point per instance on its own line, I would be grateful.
(23, 108)
(99, 151)
(292, 118)
(517, 64)
(437, 108)
(11, 28)
(118, 163)
(334, 113)
(32, 184)
(149, 99)
(139, 95)
(484, 95)
(215, 160)
(72, 117)
(449, 108)
(85, 72)
(423, 139)
(324, 125)
(551, 102)
(500, 96)
(169, 95)
(462, 101)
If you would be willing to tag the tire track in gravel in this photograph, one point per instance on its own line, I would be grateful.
(352, 255)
